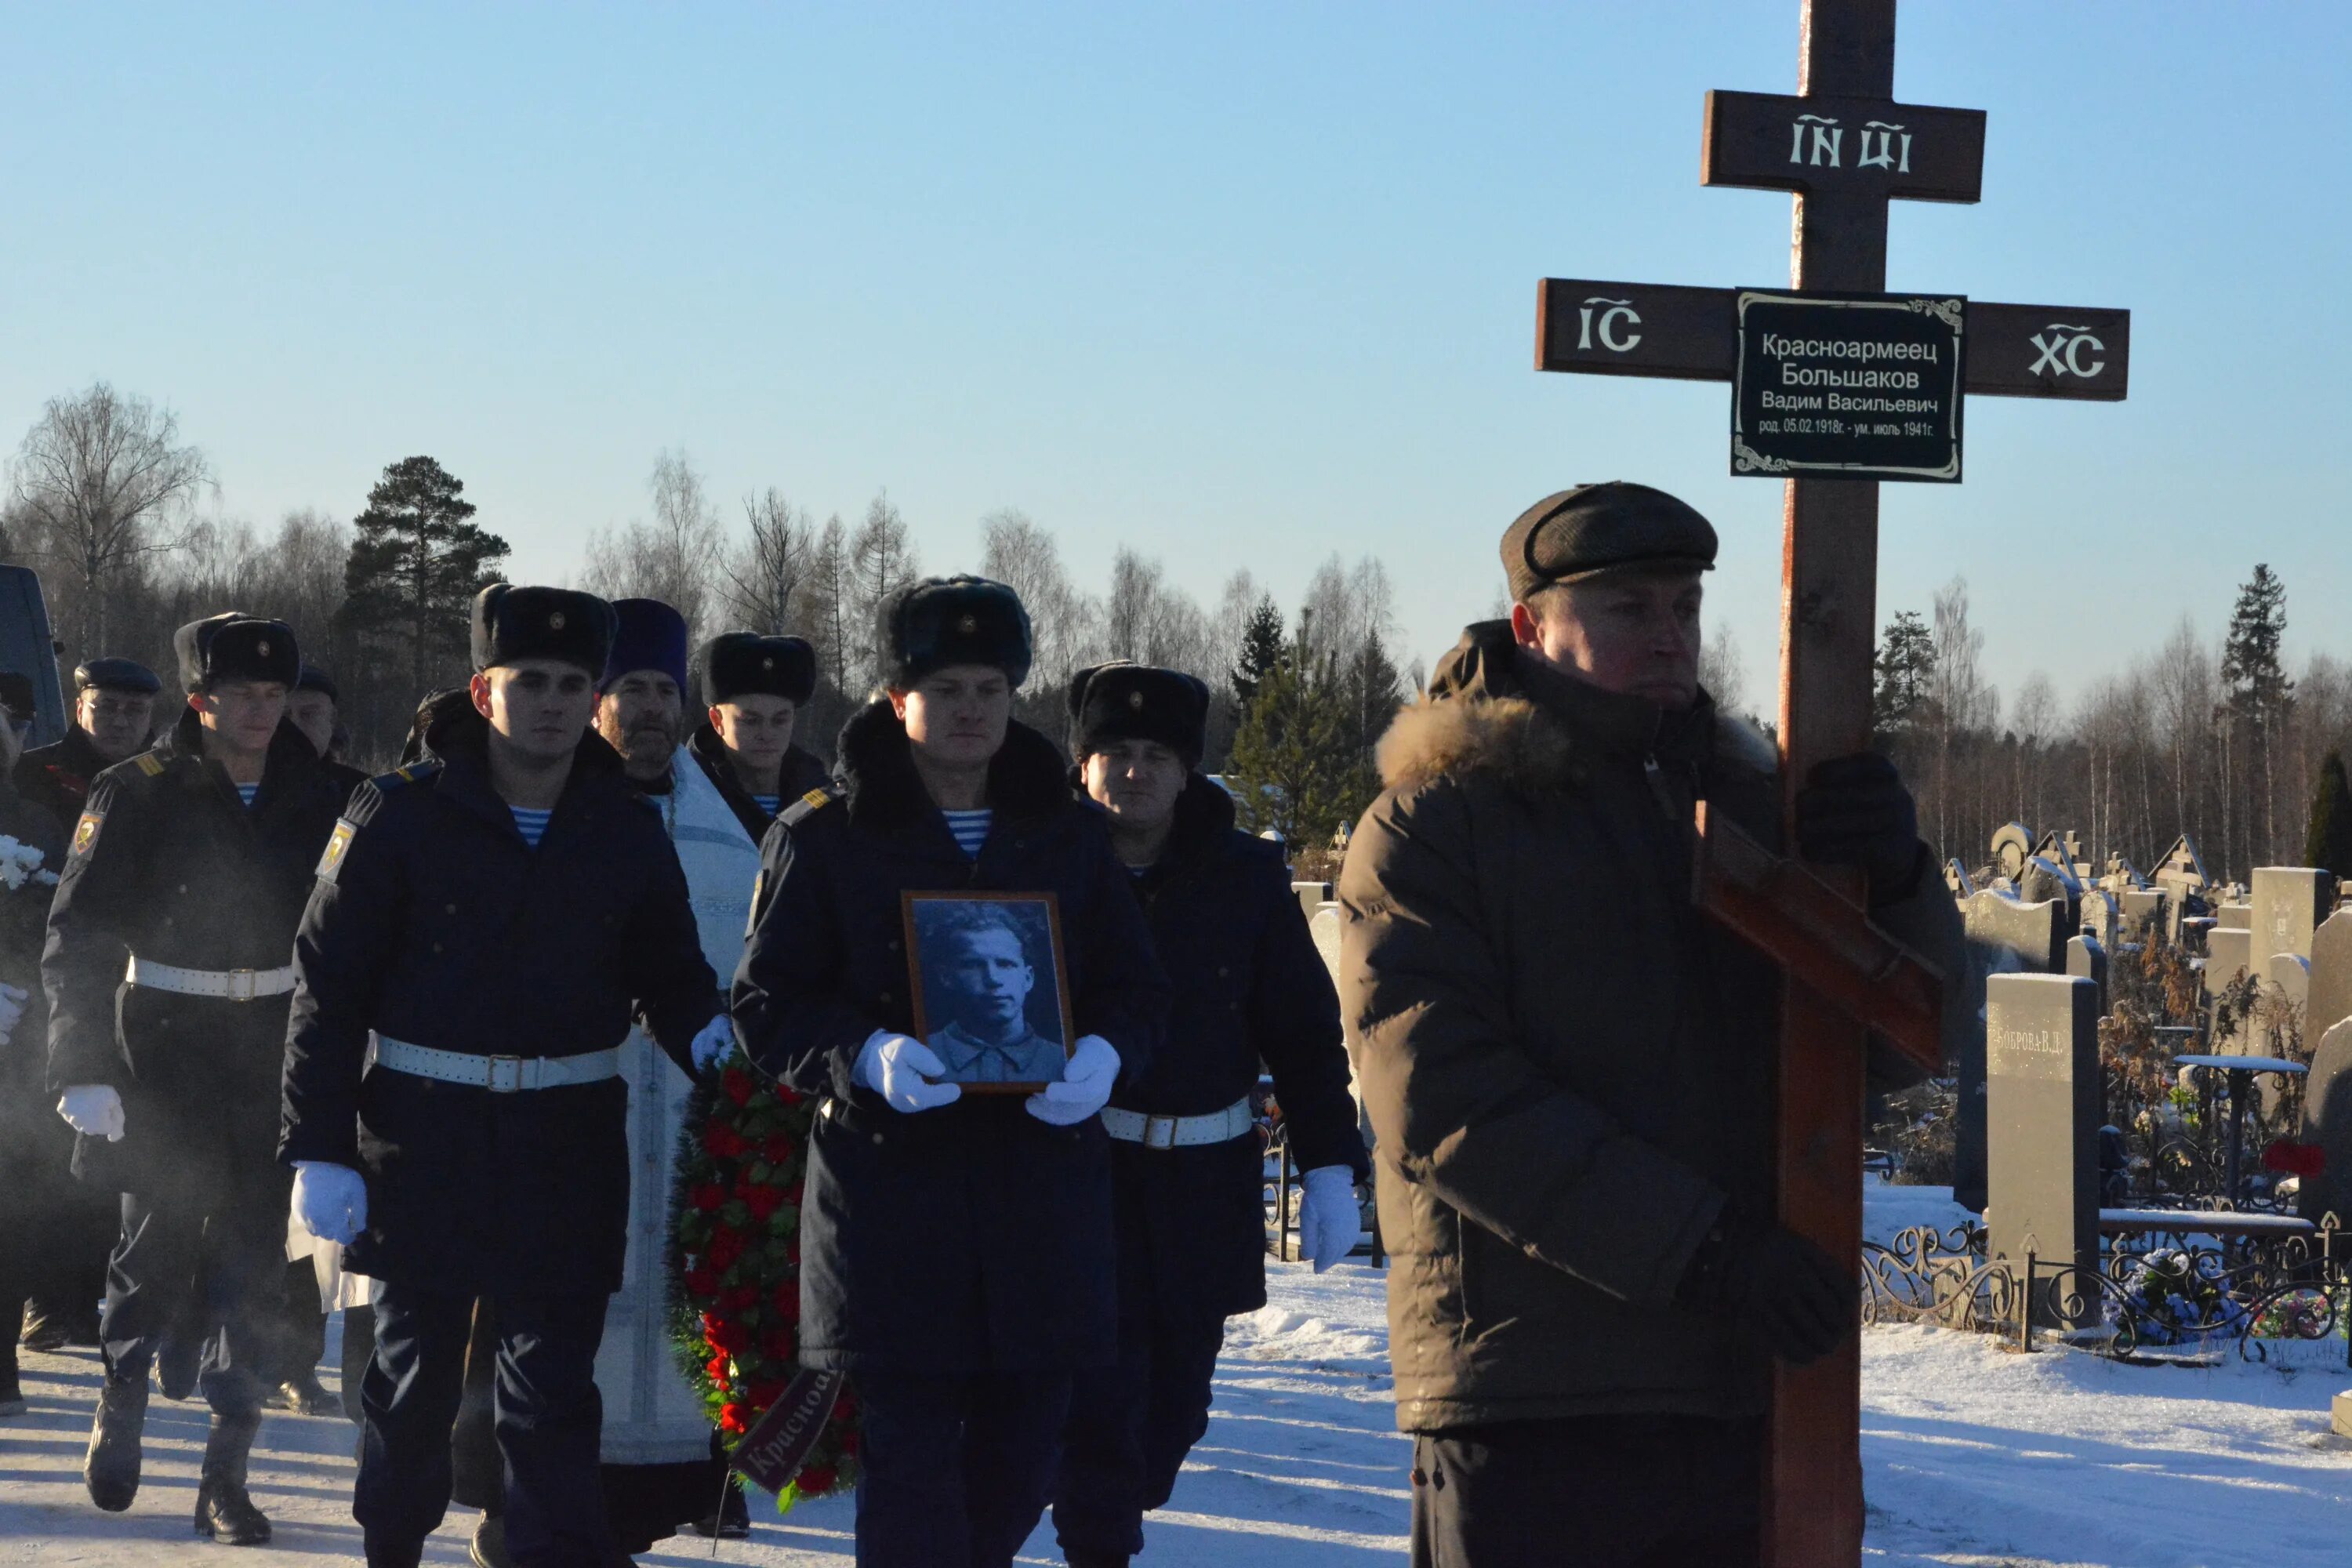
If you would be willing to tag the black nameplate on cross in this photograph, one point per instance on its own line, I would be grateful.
(1845, 148)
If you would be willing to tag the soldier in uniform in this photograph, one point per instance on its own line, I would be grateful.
(751, 689)
(168, 973)
(495, 914)
(114, 713)
(979, 975)
(1185, 1161)
(956, 1250)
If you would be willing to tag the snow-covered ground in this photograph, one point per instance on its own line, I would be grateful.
(1973, 1454)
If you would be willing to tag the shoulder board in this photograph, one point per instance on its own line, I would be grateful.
(151, 765)
(801, 810)
(415, 773)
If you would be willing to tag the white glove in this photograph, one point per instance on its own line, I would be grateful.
(1084, 1086)
(1328, 1219)
(711, 1047)
(893, 1065)
(330, 1200)
(94, 1110)
(12, 1008)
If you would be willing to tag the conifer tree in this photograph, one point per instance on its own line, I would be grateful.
(2328, 845)
(1262, 650)
(417, 561)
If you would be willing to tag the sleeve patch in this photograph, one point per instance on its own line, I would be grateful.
(337, 844)
(86, 832)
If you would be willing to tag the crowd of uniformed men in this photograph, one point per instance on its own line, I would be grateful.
(443, 1016)
(449, 1013)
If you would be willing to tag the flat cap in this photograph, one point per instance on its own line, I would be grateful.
(746, 664)
(1122, 700)
(514, 624)
(1583, 532)
(233, 645)
(117, 675)
(943, 621)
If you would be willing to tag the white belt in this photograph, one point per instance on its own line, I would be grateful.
(499, 1074)
(235, 984)
(1178, 1131)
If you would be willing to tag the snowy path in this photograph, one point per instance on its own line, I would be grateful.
(1973, 1456)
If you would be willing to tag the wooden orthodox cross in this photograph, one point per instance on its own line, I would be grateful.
(1845, 148)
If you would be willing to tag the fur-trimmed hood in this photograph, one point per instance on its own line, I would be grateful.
(1490, 710)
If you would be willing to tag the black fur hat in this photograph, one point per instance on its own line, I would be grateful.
(511, 624)
(117, 675)
(1122, 700)
(944, 621)
(233, 645)
(743, 664)
(314, 679)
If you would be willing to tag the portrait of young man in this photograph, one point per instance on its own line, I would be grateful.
(983, 964)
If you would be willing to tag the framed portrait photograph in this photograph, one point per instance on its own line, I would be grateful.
(991, 992)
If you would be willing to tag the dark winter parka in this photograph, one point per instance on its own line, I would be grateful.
(58, 776)
(168, 862)
(1250, 988)
(1567, 1068)
(438, 924)
(974, 1238)
(800, 774)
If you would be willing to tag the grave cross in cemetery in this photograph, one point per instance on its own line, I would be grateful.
(1835, 386)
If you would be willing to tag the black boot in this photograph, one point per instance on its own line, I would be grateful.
(224, 1511)
(111, 1470)
(303, 1394)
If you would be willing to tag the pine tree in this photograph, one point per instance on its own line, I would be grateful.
(2258, 693)
(415, 564)
(1906, 667)
(1294, 767)
(1262, 651)
(2329, 843)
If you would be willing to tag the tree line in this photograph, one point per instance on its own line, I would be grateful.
(104, 499)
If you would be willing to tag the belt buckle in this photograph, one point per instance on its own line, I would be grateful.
(490, 1080)
(1160, 1132)
(240, 977)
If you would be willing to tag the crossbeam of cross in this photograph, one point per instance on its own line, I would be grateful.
(1846, 148)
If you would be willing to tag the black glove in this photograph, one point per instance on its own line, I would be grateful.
(1782, 1288)
(1853, 811)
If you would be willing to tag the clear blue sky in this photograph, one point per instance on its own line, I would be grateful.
(1238, 285)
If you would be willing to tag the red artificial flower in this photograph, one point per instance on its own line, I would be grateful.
(785, 1096)
(708, 1196)
(726, 1246)
(816, 1480)
(788, 1301)
(849, 1444)
(722, 1140)
(779, 1148)
(736, 1085)
(844, 1406)
(717, 1369)
(777, 1343)
(701, 1283)
(730, 1418)
(763, 1395)
(735, 1297)
(763, 1202)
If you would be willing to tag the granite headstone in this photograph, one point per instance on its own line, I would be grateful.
(2041, 1056)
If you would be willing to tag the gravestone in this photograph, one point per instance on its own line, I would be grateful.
(2034, 935)
(2289, 902)
(1957, 878)
(2143, 915)
(2233, 917)
(1311, 896)
(2011, 847)
(2286, 978)
(2328, 1121)
(2102, 917)
(2331, 978)
(2228, 954)
(2041, 1053)
(2086, 959)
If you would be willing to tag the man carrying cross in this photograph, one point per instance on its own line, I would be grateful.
(1569, 1073)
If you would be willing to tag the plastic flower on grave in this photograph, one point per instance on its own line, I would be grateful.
(734, 1263)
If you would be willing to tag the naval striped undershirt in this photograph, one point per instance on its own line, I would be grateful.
(247, 792)
(532, 825)
(771, 804)
(970, 828)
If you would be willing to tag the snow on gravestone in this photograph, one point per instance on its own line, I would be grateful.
(2328, 1121)
(2289, 903)
(2042, 1041)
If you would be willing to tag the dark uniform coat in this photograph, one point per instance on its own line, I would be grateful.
(435, 923)
(58, 776)
(1569, 1069)
(168, 862)
(800, 774)
(975, 1237)
(1250, 988)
